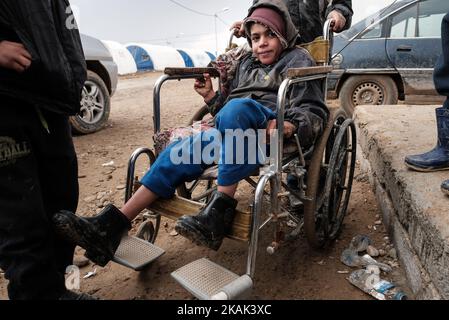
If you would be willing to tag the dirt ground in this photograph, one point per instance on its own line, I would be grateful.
(295, 272)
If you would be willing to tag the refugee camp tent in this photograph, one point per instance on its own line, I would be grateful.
(195, 58)
(152, 57)
(187, 59)
(122, 57)
(211, 56)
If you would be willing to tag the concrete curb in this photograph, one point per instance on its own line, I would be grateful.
(412, 214)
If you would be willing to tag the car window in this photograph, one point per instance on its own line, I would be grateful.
(430, 14)
(403, 24)
(420, 20)
(360, 26)
(373, 32)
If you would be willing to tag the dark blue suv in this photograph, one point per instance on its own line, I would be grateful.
(389, 56)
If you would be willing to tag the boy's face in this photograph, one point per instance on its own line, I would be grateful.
(265, 44)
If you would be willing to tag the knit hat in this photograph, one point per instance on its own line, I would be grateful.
(269, 18)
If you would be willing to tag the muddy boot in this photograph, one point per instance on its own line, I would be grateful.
(209, 227)
(445, 187)
(438, 158)
(100, 236)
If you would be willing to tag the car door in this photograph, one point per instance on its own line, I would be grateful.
(366, 53)
(414, 44)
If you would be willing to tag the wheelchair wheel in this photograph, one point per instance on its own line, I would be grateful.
(199, 191)
(146, 231)
(330, 181)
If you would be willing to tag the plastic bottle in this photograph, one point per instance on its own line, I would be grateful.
(389, 290)
(369, 281)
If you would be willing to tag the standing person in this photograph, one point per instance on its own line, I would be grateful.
(309, 16)
(438, 158)
(42, 72)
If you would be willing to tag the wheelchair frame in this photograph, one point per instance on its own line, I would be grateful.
(333, 156)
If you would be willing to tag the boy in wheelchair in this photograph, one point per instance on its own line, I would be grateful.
(250, 105)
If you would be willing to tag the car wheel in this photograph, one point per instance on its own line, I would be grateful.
(368, 90)
(95, 106)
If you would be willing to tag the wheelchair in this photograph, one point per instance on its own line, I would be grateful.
(324, 174)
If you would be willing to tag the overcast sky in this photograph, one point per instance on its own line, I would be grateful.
(166, 23)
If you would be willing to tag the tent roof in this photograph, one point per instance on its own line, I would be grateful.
(122, 57)
(161, 56)
(199, 58)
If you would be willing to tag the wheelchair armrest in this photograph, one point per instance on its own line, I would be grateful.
(311, 71)
(173, 72)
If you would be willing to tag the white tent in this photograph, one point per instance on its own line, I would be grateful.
(159, 56)
(124, 60)
(198, 58)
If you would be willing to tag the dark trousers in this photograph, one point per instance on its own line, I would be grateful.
(38, 177)
(441, 74)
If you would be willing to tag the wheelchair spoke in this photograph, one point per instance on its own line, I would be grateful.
(193, 186)
(204, 195)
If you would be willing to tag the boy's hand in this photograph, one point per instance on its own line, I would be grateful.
(14, 56)
(205, 88)
(289, 128)
(338, 21)
(239, 30)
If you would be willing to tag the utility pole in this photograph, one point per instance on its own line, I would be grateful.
(216, 28)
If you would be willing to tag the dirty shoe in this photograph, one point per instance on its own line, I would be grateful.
(445, 187)
(438, 158)
(100, 236)
(209, 227)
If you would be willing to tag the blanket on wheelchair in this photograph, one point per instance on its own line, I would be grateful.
(166, 137)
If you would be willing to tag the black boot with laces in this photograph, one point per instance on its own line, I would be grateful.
(209, 227)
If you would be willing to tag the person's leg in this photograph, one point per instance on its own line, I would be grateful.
(438, 158)
(441, 73)
(228, 190)
(27, 243)
(237, 123)
(101, 234)
(59, 178)
(140, 200)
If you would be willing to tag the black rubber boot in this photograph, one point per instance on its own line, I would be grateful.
(209, 227)
(100, 236)
(438, 158)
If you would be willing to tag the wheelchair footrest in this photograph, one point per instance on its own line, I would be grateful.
(207, 280)
(136, 253)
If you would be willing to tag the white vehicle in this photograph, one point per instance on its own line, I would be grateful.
(101, 83)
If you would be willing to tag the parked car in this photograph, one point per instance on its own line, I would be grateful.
(102, 77)
(388, 56)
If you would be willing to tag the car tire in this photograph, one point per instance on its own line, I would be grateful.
(95, 106)
(368, 90)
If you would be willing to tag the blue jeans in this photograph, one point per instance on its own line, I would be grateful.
(165, 175)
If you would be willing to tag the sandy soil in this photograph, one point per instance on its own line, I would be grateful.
(295, 272)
